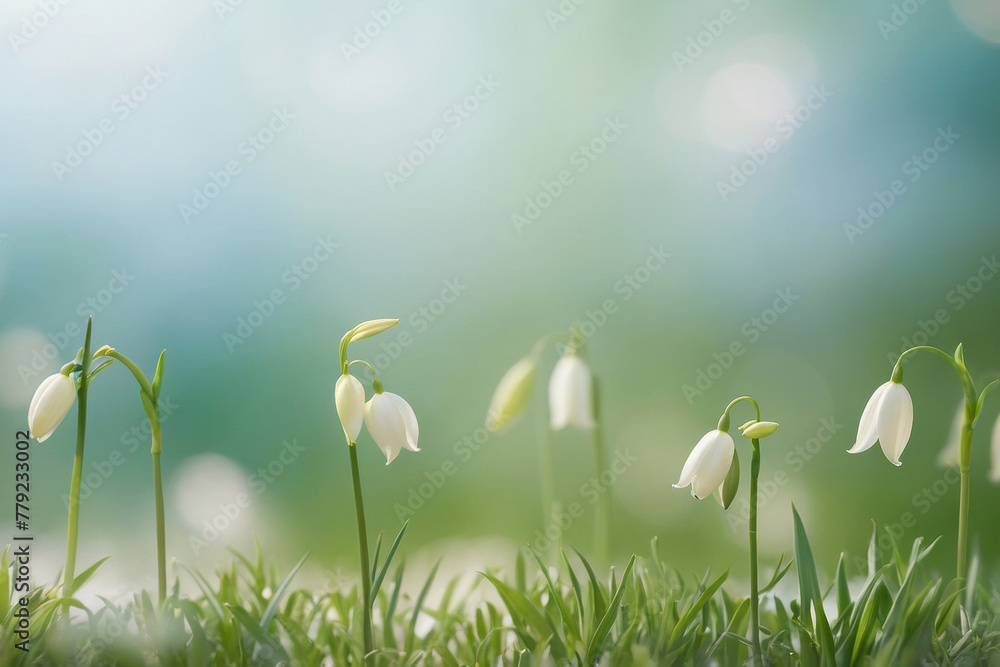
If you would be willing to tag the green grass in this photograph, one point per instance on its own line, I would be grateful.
(647, 613)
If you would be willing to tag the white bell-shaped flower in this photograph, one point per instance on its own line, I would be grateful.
(571, 394)
(708, 464)
(50, 404)
(392, 423)
(887, 418)
(350, 397)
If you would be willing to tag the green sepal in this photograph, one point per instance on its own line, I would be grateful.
(104, 364)
(158, 378)
(979, 403)
(960, 355)
(732, 483)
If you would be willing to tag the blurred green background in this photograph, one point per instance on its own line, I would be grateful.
(740, 138)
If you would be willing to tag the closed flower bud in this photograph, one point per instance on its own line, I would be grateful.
(50, 404)
(371, 328)
(758, 430)
(512, 393)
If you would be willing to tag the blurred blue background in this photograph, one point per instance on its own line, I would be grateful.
(241, 182)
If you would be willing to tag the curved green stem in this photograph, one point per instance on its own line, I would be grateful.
(963, 373)
(366, 583)
(724, 421)
(72, 532)
(754, 595)
(129, 364)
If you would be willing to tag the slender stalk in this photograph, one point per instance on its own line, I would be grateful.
(963, 506)
(754, 595)
(74, 491)
(366, 583)
(72, 531)
(602, 531)
(161, 533)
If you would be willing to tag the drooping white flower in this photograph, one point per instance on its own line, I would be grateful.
(50, 404)
(571, 394)
(995, 451)
(708, 464)
(392, 423)
(512, 393)
(887, 418)
(350, 398)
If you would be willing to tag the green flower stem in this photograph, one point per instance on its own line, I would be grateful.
(366, 583)
(754, 474)
(161, 531)
(602, 530)
(754, 595)
(74, 488)
(965, 457)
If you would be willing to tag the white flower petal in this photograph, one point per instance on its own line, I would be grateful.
(868, 425)
(386, 425)
(895, 420)
(571, 394)
(350, 399)
(995, 451)
(409, 420)
(714, 467)
(710, 451)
